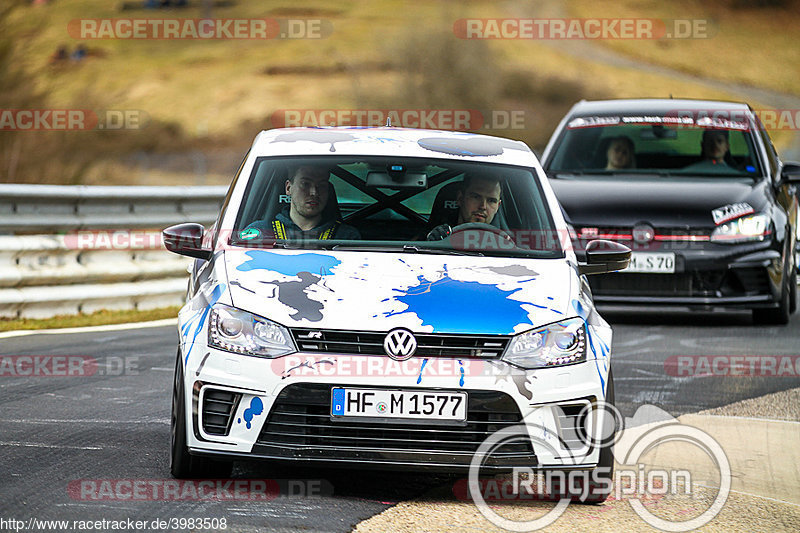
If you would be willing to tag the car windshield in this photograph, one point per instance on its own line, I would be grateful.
(662, 145)
(396, 204)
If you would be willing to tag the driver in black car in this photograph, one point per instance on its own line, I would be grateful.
(478, 201)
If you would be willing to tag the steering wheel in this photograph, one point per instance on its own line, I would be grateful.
(482, 226)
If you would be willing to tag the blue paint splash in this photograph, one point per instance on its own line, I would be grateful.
(461, 369)
(452, 306)
(580, 309)
(604, 352)
(419, 379)
(214, 298)
(255, 409)
(289, 265)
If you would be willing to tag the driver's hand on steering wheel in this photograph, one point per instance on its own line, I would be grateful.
(439, 232)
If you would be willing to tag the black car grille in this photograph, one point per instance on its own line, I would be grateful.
(710, 283)
(218, 409)
(300, 419)
(371, 343)
(621, 284)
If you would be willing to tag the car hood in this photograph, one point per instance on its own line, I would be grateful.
(375, 291)
(662, 202)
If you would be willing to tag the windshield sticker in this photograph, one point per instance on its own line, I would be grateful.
(731, 211)
(248, 234)
(589, 122)
(675, 120)
(721, 123)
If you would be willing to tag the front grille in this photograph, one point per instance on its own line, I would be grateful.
(371, 343)
(300, 420)
(218, 409)
(621, 284)
(703, 283)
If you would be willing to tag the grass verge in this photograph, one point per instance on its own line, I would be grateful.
(99, 318)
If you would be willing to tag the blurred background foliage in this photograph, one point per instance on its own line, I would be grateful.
(204, 100)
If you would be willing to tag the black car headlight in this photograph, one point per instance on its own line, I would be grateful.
(749, 228)
(241, 332)
(557, 344)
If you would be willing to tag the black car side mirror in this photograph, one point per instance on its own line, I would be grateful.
(605, 256)
(791, 173)
(186, 239)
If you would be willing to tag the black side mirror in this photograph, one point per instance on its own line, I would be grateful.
(605, 256)
(790, 173)
(186, 239)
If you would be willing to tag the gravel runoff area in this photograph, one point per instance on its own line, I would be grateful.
(441, 511)
(784, 405)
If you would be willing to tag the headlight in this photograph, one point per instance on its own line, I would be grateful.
(751, 228)
(561, 343)
(241, 332)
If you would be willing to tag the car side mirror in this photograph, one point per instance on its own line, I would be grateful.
(605, 256)
(791, 173)
(186, 239)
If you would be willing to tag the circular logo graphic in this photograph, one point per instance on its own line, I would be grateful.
(643, 233)
(400, 344)
(381, 407)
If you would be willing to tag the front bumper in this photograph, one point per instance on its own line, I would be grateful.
(735, 276)
(256, 412)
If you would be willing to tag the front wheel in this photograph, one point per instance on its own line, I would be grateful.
(780, 315)
(183, 465)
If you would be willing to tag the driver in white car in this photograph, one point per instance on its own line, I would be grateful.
(478, 201)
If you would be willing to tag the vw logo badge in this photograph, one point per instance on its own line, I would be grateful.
(400, 344)
(643, 233)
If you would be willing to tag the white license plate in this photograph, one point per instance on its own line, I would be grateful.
(375, 403)
(659, 263)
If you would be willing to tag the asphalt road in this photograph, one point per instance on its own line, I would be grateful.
(59, 432)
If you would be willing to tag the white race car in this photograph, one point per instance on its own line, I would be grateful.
(388, 298)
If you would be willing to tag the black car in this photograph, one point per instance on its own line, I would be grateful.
(696, 190)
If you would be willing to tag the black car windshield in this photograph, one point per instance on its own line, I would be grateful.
(396, 204)
(648, 145)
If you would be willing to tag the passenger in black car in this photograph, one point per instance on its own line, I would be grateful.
(620, 153)
(715, 151)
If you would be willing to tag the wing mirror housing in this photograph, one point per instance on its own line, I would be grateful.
(605, 256)
(186, 239)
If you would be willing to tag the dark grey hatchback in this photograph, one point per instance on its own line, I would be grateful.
(697, 191)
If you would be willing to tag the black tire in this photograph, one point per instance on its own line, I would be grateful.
(779, 315)
(605, 464)
(793, 291)
(183, 465)
(597, 493)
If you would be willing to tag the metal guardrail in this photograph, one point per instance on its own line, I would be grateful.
(54, 208)
(52, 263)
